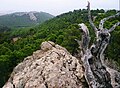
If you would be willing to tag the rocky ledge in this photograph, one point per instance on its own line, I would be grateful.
(51, 67)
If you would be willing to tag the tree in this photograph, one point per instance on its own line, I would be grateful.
(97, 74)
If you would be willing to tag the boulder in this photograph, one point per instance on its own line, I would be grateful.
(51, 67)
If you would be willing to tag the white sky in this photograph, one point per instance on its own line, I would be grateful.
(55, 7)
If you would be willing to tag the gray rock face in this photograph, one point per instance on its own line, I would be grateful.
(32, 16)
(51, 67)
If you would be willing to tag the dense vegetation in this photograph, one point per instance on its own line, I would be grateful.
(22, 19)
(62, 30)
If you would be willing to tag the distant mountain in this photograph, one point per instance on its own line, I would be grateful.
(24, 19)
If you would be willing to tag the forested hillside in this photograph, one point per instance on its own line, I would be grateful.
(24, 19)
(17, 44)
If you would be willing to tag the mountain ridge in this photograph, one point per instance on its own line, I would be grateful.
(23, 19)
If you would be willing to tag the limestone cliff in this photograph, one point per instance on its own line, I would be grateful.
(51, 67)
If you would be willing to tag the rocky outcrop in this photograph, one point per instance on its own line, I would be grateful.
(51, 67)
(16, 39)
(32, 16)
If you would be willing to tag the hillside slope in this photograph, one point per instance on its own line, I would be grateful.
(61, 30)
(24, 19)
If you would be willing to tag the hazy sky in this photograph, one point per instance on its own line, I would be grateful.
(55, 7)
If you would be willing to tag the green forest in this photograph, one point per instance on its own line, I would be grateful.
(62, 29)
